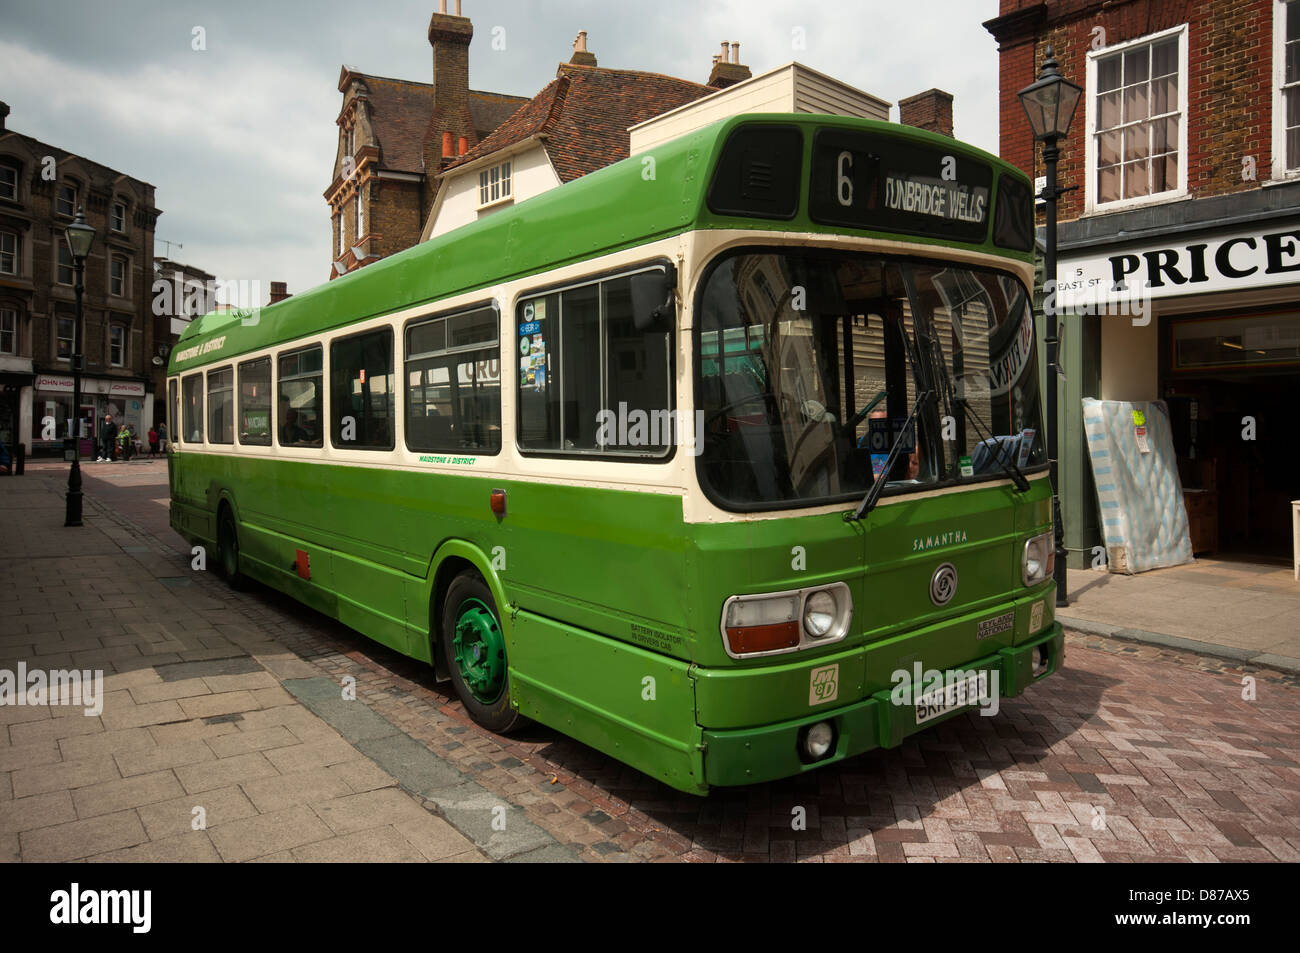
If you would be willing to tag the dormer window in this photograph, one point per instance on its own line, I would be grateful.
(494, 185)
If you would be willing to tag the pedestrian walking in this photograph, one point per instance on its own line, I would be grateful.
(107, 439)
(162, 436)
(153, 441)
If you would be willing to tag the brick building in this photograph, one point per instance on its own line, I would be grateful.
(41, 188)
(1180, 247)
(395, 137)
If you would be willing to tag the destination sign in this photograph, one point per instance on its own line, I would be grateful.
(864, 180)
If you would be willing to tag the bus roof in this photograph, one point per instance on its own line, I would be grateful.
(644, 198)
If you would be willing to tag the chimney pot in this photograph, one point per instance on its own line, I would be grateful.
(442, 7)
(462, 146)
(581, 55)
(4, 114)
(735, 52)
(457, 7)
(446, 144)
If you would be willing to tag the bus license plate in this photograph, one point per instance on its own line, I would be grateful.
(960, 694)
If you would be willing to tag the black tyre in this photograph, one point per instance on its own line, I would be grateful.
(228, 552)
(474, 650)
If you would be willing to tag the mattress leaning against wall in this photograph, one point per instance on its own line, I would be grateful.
(1143, 519)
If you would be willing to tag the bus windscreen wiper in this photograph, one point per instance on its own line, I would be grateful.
(995, 445)
(878, 484)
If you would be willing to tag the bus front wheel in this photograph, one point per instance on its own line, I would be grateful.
(474, 648)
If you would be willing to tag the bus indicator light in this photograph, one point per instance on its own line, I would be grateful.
(499, 502)
(763, 638)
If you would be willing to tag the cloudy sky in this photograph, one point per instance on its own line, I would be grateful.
(239, 138)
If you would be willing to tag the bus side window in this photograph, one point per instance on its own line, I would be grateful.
(172, 416)
(192, 408)
(300, 398)
(453, 382)
(361, 391)
(589, 379)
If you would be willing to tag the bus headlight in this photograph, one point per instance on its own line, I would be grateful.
(1039, 559)
(820, 613)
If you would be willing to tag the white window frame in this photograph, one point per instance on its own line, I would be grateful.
(72, 340)
(121, 360)
(125, 290)
(1091, 205)
(1279, 170)
(9, 317)
(58, 197)
(17, 253)
(60, 249)
(112, 218)
(13, 169)
(504, 184)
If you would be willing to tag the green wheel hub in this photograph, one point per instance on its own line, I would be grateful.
(480, 651)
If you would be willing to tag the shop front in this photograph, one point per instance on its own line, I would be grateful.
(1207, 320)
(52, 410)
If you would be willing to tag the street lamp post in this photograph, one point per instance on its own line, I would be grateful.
(79, 237)
(1050, 102)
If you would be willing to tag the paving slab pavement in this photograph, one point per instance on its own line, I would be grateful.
(1232, 608)
(183, 744)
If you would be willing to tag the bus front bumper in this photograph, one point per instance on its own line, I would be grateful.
(752, 755)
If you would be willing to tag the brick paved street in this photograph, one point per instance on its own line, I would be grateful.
(229, 701)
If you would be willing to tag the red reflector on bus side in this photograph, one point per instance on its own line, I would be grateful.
(499, 502)
(303, 564)
(763, 638)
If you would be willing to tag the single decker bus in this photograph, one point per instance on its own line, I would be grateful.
(725, 460)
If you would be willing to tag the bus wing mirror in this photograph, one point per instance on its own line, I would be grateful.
(654, 300)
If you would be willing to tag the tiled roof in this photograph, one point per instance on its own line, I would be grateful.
(400, 111)
(489, 110)
(585, 113)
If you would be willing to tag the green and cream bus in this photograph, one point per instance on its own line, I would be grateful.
(723, 463)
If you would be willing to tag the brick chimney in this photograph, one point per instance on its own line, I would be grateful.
(279, 291)
(727, 69)
(581, 55)
(449, 35)
(931, 110)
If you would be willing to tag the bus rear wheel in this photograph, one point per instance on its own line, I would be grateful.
(474, 648)
(228, 551)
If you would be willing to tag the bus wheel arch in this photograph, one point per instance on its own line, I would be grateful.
(467, 623)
